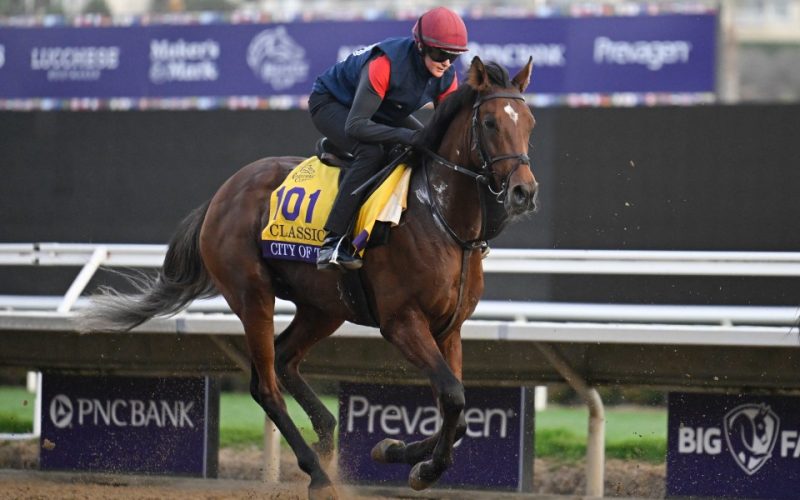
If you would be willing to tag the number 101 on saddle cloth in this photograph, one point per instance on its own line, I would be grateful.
(299, 208)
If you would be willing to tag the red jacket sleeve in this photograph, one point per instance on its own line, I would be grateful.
(379, 70)
(452, 88)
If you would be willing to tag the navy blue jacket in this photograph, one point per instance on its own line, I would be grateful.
(411, 86)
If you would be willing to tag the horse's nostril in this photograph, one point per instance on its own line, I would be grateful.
(520, 197)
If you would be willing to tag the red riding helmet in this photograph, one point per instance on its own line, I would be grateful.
(441, 28)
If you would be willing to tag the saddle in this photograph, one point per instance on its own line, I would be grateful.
(329, 154)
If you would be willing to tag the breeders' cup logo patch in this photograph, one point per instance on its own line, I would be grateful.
(61, 411)
(305, 173)
(277, 59)
(751, 431)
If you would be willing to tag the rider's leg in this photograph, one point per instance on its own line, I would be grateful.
(329, 117)
(337, 249)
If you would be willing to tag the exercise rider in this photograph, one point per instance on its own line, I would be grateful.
(366, 101)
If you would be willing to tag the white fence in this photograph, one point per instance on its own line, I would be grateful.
(501, 261)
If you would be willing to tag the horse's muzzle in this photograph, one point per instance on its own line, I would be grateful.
(522, 198)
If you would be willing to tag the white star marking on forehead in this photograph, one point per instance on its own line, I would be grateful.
(510, 112)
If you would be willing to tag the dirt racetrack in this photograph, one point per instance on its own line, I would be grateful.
(240, 471)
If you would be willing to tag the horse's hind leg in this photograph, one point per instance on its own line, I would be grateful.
(253, 300)
(308, 327)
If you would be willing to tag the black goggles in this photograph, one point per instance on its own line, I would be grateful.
(438, 55)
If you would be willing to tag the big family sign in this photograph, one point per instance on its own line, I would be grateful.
(735, 446)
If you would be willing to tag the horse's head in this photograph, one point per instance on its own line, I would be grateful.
(501, 128)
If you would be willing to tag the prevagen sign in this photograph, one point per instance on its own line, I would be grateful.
(129, 424)
(739, 446)
(497, 451)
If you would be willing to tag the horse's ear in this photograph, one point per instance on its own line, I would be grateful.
(523, 78)
(478, 78)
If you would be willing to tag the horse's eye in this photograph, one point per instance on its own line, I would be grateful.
(489, 123)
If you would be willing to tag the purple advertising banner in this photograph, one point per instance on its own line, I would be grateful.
(496, 452)
(665, 53)
(129, 424)
(734, 446)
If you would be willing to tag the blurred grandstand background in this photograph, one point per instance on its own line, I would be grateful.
(759, 49)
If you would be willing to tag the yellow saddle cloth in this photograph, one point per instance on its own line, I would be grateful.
(300, 206)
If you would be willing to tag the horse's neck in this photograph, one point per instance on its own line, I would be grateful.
(455, 197)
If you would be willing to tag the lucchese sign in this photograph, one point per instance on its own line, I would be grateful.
(129, 424)
(496, 452)
(737, 446)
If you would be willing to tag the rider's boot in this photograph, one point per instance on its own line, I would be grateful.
(336, 253)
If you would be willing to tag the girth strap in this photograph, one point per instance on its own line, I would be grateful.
(465, 254)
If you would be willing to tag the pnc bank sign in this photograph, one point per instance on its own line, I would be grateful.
(120, 412)
(129, 424)
(735, 446)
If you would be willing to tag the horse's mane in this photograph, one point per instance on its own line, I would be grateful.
(464, 96)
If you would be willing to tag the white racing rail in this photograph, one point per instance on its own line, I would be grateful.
(500, 261)
(541, 323)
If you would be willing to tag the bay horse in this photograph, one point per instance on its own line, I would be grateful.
(472, 177)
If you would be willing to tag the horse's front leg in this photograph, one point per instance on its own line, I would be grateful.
(411, 335)
(395, 451)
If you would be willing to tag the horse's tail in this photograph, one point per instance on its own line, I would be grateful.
(181, 279)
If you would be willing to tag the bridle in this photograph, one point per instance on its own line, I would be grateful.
(483, 177)
(486, 163)
(486, 172)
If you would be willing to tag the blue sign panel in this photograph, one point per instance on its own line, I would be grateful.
(497, 451)
(673, 53)
(614, 54)
(737, 446)
(129, 424)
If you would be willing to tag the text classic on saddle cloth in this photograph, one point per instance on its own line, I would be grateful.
(299, 208)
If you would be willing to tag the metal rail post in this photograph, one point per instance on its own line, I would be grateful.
(595, 445)
(99, 256)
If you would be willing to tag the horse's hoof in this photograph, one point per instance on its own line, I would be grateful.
(415, 479)
(325, 493)
(380, 450)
